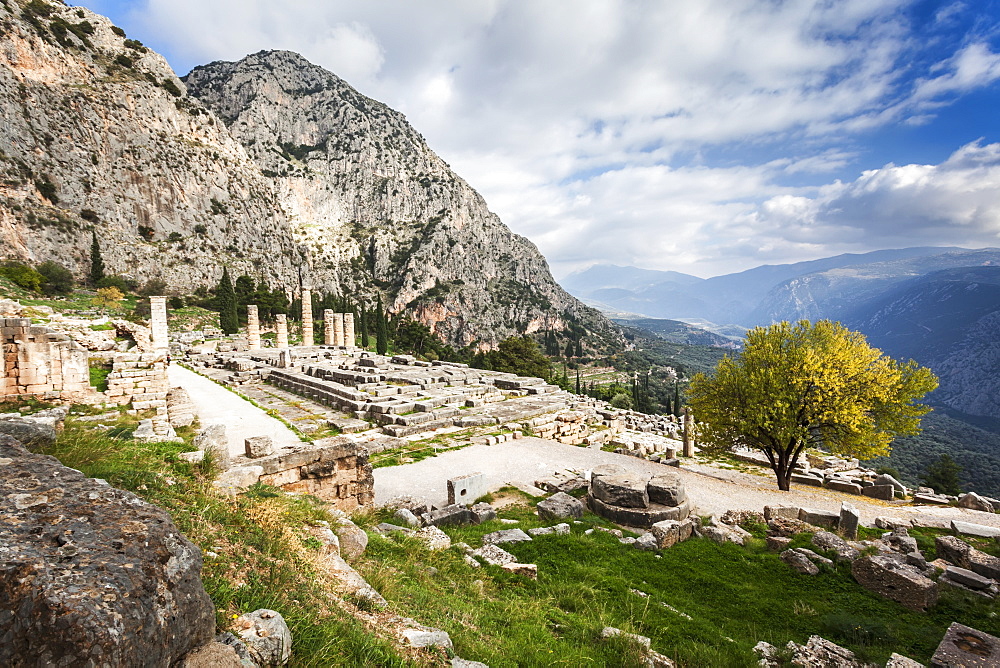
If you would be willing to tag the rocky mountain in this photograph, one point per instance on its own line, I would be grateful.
(377, 209)
(680, 332)
(98, 134)
(273, 167)
(950, 321)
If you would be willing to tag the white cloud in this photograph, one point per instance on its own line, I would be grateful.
(590, 126)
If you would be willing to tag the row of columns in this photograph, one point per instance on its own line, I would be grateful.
(338, 328)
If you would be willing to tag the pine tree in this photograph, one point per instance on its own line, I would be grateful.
(96, 261)
(382, 330)
(225, 297)
(943, 476)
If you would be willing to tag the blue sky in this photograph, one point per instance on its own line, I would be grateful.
(703, 137)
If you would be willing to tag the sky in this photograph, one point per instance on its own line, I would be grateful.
(705, 137)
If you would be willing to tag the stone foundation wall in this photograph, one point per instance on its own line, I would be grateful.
(140, 378)
(336, 470)
(40, 362)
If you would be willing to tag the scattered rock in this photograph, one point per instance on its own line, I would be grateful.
(960, 553)
(849, 520)
(407, 518)
(973, 501)
(433, 538)
(482, 512)
(787, 527)
(646, 541)
(560, 506)
(212, 439)
(238, 479)
(353, 539)
(890, 523)
(799, 561)
(778, 543)
(425, 636)
(967, 647)
(900, 661)
(527, 570)
(212, 655)
(494, 555)
(889, 577)
(886, 479)
(37, 431)
(558, 529)
(505, 536)
(788, 512)
(970, 529)
(258, 446)
(825, 540)
(266, 636)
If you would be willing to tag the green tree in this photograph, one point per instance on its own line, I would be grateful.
(225, 297)
(806, 385)
(518, 354)
(96, 261)
(363, 322)
(56, 279)
(943, 475)
(381, 329)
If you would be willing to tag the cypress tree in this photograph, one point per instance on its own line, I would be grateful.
(579, 346)
(578, 380)
(363, 321)
(96, 261)
(381, 330)
(226, 299)
(569, 349)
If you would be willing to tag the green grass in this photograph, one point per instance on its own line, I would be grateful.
(264, 559)
(735, 597)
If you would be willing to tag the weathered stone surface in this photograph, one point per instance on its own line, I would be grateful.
(560, 506)
(527, 570)
(30, 430)
(817, 652)
(425, 636)
(624, 491)
(844, 486)
(353, 539)
(482, 512)
(881, 492)
(891, 523)
(849, 520)
(778, 543)
(90, 574)
(970, 529)
(238, 478)
(973, 501)
(886, 479)
(965, 647)
(666, 489)
(450, 515)
(407, 518)
(900, 582)
(960, 553)
(258, 446)
(820, 518)
(494, 555)
(668, 533)
(646, 541)
(212, 655)
(433, 538)
(789, 512)
(724, 533)
(266, 636)
(505, 536)
(212, 439)
(825, 540)
(638, 517)
(466, 489)
(900, 661)
(799, 561)
(788, 527)
(967, 578)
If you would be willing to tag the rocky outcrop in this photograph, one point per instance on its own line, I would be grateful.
(100, 135)
(377, 208)
(91, 575)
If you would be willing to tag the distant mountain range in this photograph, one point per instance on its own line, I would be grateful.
(939, 306)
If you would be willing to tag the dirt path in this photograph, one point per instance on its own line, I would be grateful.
(711, 490)
(215, 404)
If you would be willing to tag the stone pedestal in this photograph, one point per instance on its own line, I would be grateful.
(158, 323)
(281, 327)
(307, 318)
(338, 329)
(350, 340)
(329, 334)
(253, 328)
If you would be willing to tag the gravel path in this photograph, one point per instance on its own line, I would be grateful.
(215, 404)
(711, 490)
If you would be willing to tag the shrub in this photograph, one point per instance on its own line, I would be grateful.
(57, 279)
(146, 232)
(135, 45)
(154, 286)
(47, 189)
(200, 229)
(89, 215)
(22, 275)
(124, 61)
(123, 284)
(108, 297)
(169, 86)
(174, 236)
(118, 31)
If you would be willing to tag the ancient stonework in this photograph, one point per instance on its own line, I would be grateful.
(40, 362)
(91, 575)
(336, 470)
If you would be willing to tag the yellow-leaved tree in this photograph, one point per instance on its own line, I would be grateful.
(806, 385)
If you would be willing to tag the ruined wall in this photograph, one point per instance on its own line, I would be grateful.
(335, 470)
(40, 362)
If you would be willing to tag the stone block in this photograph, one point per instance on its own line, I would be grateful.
(844, 486)
(820, 518)
(973, 501)
(505, 536)
(966, 647)
(799, 562)
(527, 570)
(900, 582)
(967, 578)
(467, 488)
(978, 530)
(811, 480)
(258, 446)
(778, 543)
(482, 512)
(666, 489)
(560, 506)
(886, 479)
(212, 439)
(849, 520)
(450, 515)
(881, 492)
(625, 491)
(266, 637)
(638, 517)
(790, 512)
(238, 478)
(494, 555)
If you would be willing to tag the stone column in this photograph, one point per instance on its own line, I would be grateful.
(338, 329)
(307, 318)
(253, 328)
(158, 324)
(281, 326)
(349, 338)
(328, 327)
(688, 432)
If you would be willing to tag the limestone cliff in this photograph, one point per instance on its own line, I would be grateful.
(380, 211)
(99, 134)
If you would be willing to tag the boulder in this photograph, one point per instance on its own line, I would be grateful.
(353, 539)
(820, 518)
(646, 541)
(407, 518)
(783, 526)
(881, 492)
(967, 578)
(266, 636)
(960, 553)
(849, 520)
(258, 446)
(886, 479)
(973, 501)
(889, 577)
(778, 543)
(624, 491)
(666, 489)
(482, 512)
(213, 655)
(505, 536)
(825, 540)
(433, 538)
(89, 571)
(799, 561)
(31, 430)
(560, 506)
